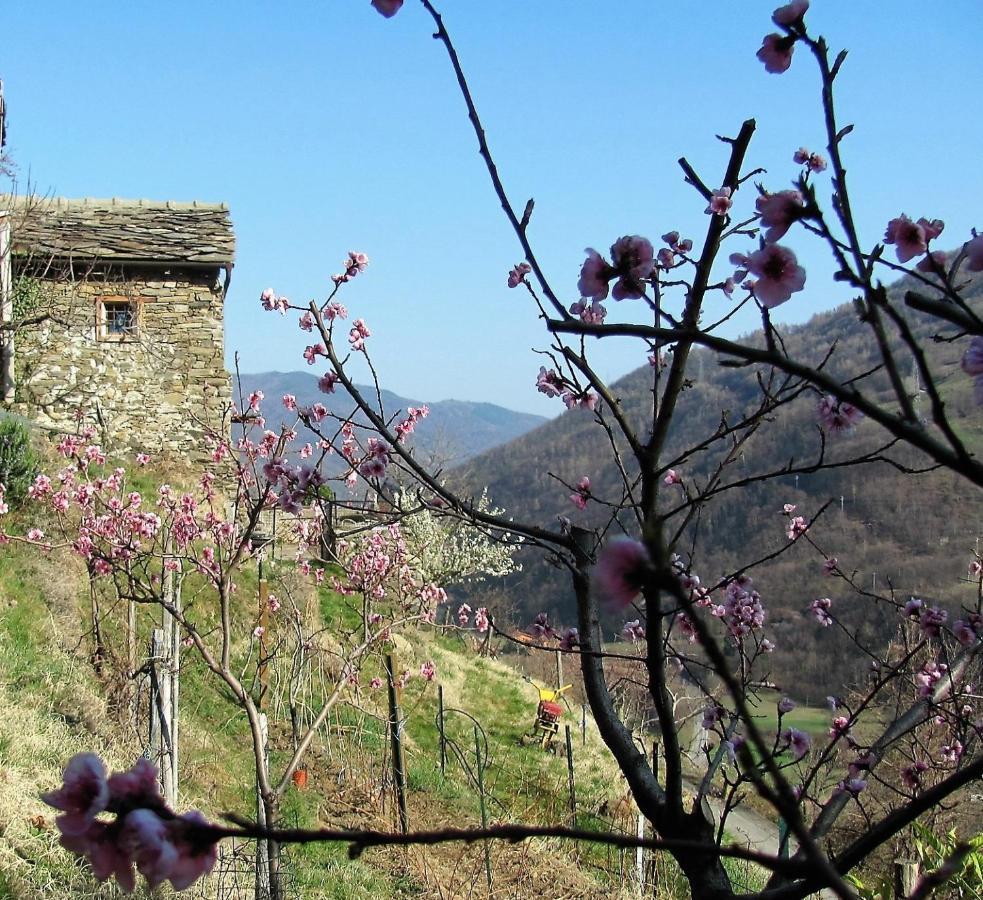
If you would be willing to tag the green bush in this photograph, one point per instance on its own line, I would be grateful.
(18, 461)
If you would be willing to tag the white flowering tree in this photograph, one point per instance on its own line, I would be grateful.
(446, 550)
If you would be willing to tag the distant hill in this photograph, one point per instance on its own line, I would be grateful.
(455, 430)
(915, 532)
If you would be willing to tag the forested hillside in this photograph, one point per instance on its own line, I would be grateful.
(912, 535)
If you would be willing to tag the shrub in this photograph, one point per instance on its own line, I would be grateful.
(19, 462)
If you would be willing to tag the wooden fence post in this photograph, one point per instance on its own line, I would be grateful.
(440, 728)
(262, 848)
(640, 857)
(905, 877)
(481, 802)
(395, 733)
(573, 786)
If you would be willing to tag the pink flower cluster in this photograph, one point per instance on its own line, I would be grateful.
(408, 425)
(837, 416)
(355, 263)
(776, 49)
(162, 845)
(518, 274)
(742, 610)
(272, 302)
(582, 495)
(777, 272)
(820, 609)
(552, 384)
(911, 238)
(720, 202)
(812, 161)
(633, 259)
(388, 8)
(358, 334)
(622, 569)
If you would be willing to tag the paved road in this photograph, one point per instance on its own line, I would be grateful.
(749, 827)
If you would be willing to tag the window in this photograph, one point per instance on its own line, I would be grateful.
(116, 319)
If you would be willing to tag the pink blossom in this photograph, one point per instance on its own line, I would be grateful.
(100, 844)
(790, 14)
(797, 526)
(375, 683)
(633, 631)
(672, 477)
(968, 630)
(463, 615)
(481, 620)
(593, 312)
(911, 238)
(35, 534)
(549, 382)
(851, 786)
(812, 161)
(778, 211)
(634, 259)
(358, 334)
(931, 619)
(388, 8)
(326, 383)
(911, 775)
(973, 249)
(142, 459)
(776, 52)
(595, 274)
(313, 352)
(428, 671)
(196, 853)
(580, 498)
(270, 302)
(928, 676)
(518, 274)
(570, 639)
(146, 839)
(677, 245)
(840, 727)
(798, 741)
(306, 322)
(720, 202)
(289, 402)
(820, 609)
(952, 753)
(785, 705)
(83, 794)
(540, 627)
(837, 416)
(666, 258)
(622, 569)
(778, 274)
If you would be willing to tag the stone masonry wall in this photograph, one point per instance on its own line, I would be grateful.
(159, 390)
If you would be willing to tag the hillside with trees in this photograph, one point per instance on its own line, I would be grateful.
(894, 531)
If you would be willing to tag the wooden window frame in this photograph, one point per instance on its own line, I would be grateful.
(117, 337)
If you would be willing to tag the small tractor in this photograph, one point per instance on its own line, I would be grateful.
(548, 714)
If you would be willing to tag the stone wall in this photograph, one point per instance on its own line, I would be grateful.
(160, 389)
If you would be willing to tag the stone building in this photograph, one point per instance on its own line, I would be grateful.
(116, 308)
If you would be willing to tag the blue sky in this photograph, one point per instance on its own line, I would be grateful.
(327, 128)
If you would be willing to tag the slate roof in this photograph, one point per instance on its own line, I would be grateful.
(130, 231)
